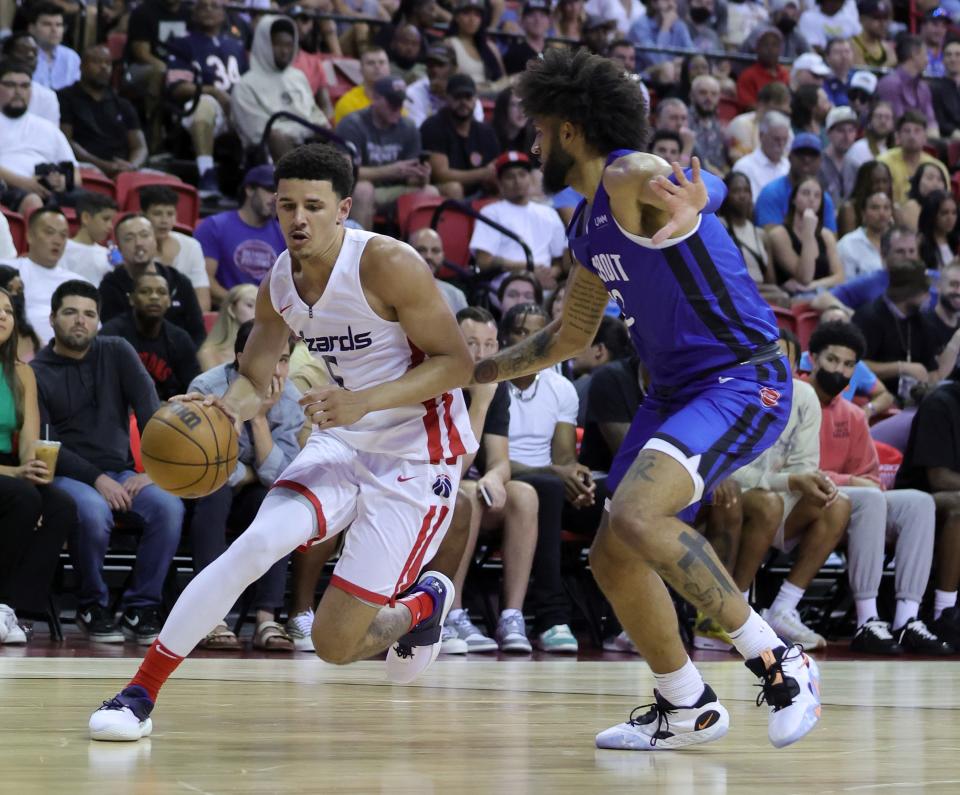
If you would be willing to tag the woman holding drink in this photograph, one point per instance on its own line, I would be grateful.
(35, 517)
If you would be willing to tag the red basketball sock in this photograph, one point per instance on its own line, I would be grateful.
(156, 668)
(420, 605)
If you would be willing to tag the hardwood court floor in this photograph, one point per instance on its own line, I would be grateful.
(298, 725)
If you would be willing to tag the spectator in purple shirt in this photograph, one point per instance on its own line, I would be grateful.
(240, 246)
(904, 88)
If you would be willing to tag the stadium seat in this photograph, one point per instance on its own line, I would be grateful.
(806, 325)
(18, 229)
(785, 319)
(454, 229)
(407, 203)
(135, 443)
(209, 318)
(128, 194)
(95, 182)
(727, 110)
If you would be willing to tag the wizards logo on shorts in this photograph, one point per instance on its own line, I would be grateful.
(442, 486)
(769, 397)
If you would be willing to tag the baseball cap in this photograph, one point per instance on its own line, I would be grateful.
(440, 53)
(260, 177)
(864, 80)
(874, 8)
(392, 89)
(511, 160)
(841, 114)
(463, 5)
(812, 63)
(461, 85)
(536, 5)
(937, 14)
(595, 21)
(807, 141)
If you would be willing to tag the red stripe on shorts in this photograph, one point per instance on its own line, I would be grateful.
(424, 529)
(431, 419)
(453, 433)
(418, 563)
(360, 593)
(312, 498)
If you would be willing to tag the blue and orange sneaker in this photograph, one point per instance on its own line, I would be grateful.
(790, 685)
(412, 654)
(124, 718)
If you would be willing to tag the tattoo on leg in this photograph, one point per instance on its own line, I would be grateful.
(697, 552)
(640, 468)
(709, 599)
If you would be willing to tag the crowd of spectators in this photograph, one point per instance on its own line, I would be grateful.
(834, 124)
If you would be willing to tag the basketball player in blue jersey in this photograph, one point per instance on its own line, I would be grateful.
(720, 391)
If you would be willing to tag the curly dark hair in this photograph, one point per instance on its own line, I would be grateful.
(317, 163)
(846, 335)
(590, 92)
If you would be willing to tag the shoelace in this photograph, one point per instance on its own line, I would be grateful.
(303, 623)
(515, 625)
(879, 628)
(653, 712)
(404, 652)
(778, 694)
(921, 629)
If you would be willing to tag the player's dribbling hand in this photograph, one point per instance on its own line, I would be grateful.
(333, 407)
(684, 200)
(211, 400)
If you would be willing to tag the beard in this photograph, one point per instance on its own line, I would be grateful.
(14, 113)
(946, 301)
(556, 168)
(71, 342)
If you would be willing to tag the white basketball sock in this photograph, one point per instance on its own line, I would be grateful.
(866, 609)
(942, 600)
(754, 637)
(907, 610)
(682, 687)
(788, 598)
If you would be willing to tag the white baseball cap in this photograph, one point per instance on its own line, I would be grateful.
(812, 63)
(864, 80)
(839, 115)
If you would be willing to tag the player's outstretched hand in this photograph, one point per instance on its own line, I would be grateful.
(333, 407)
(211, 400)
(684, 200)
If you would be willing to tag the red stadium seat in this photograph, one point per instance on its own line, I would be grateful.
(785, 319)
(18, 229)
(727, 110)
(454, 229)
(128, 196)
(806, 325)
(408, 203)
(209, 318)
(95, 182)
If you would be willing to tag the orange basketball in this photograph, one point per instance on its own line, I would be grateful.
(189, 449)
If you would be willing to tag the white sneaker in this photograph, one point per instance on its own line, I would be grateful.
(620, 643)
(558, 639)
(791, 686)
(413, 653)
(124, 718)
(664, 726)
(511, 634)
(451, 642)
(789, 626)
(300, 630)
(468, 631)
(11, 632)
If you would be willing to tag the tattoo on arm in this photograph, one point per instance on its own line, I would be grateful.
(529, 356)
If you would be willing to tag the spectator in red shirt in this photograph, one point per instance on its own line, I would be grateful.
(767, 69)
(905, 517)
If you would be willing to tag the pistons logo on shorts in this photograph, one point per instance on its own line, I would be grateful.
(769, 397)
(442, 486)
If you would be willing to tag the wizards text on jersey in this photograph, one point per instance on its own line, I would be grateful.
(347, 342)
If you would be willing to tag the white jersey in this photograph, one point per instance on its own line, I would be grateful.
(360, 350)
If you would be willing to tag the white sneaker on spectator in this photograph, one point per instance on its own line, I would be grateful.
(511, 634)
(300, 630)
(789, 626)
(621, 643)
(451, 642)
(10, 630)
(468, 631)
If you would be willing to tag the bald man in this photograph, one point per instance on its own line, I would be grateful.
(429, 245)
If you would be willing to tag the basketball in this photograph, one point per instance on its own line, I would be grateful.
(189, 449)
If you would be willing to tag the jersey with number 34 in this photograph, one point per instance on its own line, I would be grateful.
(361, 350)
(221, 60)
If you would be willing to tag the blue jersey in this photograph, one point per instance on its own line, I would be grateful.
(220, 59)
(690, 305)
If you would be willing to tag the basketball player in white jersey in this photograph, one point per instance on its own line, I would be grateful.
(382, 460)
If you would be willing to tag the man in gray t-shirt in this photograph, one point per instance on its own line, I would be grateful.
(389, 150)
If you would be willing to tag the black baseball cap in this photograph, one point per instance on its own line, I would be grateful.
(460, 85)
(536, 5)
(440, 53)
(392, 89)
